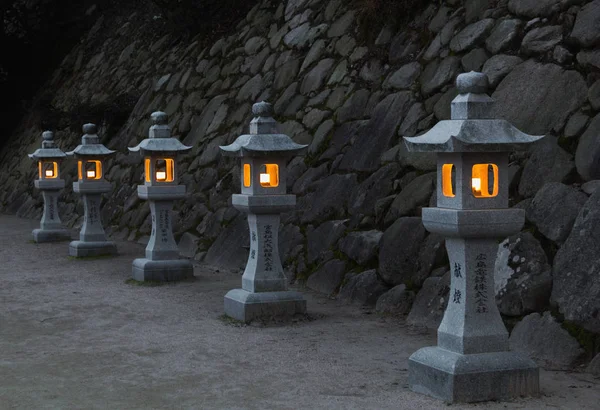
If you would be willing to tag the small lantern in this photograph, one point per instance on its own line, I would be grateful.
(91, 185)
(49, 158)
(160, 188)
(472, 361)
(264, 153)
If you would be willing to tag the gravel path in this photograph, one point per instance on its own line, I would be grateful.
(75, 335)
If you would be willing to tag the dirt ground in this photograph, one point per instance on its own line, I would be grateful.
(75, 335)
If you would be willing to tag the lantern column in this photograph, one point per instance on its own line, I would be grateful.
(49, 158)
(160, 188)
(264, 153)
(91, 185)
(472, 361)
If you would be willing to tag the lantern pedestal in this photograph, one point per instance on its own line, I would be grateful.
(92, 239)
(162, 261)
(51, 228)
(162, 271)
(472, 361)
(454, 377)
(264, 291)
(247, 306)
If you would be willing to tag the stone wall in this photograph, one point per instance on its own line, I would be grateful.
(356, 232)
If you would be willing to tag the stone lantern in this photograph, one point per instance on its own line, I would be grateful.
(472, 361)
(91, 185)
(264, 154)
(49, 182)
(160, 187)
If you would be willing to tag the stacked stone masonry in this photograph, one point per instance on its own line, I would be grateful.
(356, 230)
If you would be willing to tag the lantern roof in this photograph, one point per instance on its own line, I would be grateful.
(49, 149)
(471, 127)
(90, 144)
(159, 137)
(264, 138)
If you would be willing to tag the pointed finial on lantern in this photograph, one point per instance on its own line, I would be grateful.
(262, 109)
(472, 102)
(263, 122)
(160, 129)
(90, 134)
(90, 129)
(48, 139)
(473, 82)
(159, 118)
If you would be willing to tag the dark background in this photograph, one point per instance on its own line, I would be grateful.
(36, 35)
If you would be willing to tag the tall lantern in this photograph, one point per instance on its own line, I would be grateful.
(49, 158)
(160, 188)
(264, 153)
(472, 361)
(91, 185)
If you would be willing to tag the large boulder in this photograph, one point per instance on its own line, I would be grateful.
(377, 136)
(398, 251)
(431, 255)
(416, 193)
(439, 73)
(361, 247)
(230, 249)
(576, 269)
(404, 78)
(471, 35)
(328, 277)
(594, 366)
(585, 31)
(329, 198)
(188, 245)
(548, 163)
(363, 288)
(541, 39)
(538, 98)
(546, 342)
(378, 185)
(587, 156)
(396, 301)
(554, 209)
(322, 238)
(431, 302)
(533, 8)
(290, 238)
(503, 35)
(522, 276)
(498, 67)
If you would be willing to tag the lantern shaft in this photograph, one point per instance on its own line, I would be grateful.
(162, 245)
(263, 272)
(92, 238)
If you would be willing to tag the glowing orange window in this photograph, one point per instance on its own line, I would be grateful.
(164, 170)
(48, 170)
(269, 177)
(93, 169)
(247, 175)
(484, 181)
(448, 178)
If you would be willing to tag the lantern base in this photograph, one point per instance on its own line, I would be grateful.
(455, 377)
(81, 249)
(162, 270)
(51, 235)
(247, 306)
